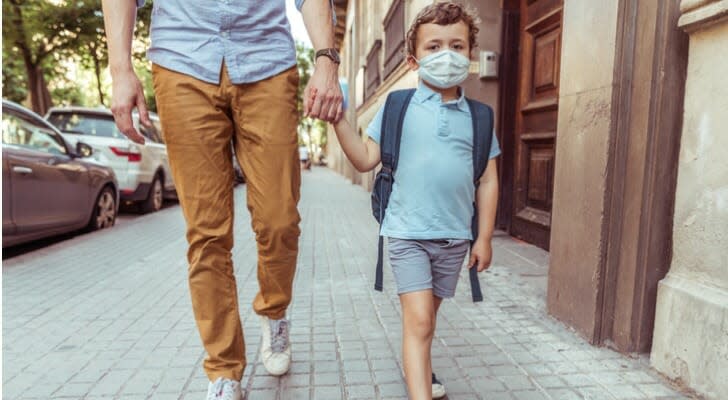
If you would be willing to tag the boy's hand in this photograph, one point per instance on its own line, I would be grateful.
(481, 254)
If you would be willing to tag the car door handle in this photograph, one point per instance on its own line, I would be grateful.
(22, 170)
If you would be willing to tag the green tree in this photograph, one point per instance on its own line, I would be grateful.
(41, 33)
(14, 87)
(36, 29)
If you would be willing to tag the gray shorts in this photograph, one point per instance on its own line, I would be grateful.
(427, 264)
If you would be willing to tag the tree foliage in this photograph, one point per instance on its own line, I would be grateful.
(311, 131)
(42, 39)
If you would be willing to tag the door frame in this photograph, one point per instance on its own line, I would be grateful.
(507, 100)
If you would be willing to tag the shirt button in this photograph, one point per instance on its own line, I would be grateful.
(226, 34)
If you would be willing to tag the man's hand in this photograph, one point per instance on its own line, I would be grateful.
(481, 254)
(127, 94)
(322, 97)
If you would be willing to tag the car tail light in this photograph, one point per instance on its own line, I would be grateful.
(133, 153)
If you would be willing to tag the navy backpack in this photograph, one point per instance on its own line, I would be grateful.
(395, 108)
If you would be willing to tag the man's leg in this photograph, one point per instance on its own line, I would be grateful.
(198, 131)
(266, 143)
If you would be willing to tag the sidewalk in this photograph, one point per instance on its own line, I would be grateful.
(109, 317)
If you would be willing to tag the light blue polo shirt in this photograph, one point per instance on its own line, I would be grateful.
(433, 192)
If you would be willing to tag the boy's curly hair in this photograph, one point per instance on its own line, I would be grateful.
(445, 13)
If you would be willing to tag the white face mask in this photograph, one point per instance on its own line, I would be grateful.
(444, 69)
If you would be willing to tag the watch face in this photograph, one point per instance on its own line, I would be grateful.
(335, 55)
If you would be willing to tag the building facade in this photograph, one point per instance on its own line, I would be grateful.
(612, 120)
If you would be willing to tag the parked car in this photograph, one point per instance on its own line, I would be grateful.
(143, 171)
(49, 186)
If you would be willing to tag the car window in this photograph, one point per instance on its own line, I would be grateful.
(25, 133)
(85, 124)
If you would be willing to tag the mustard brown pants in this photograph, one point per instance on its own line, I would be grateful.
(200, 120)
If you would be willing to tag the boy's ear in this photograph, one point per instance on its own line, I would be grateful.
(412, 62)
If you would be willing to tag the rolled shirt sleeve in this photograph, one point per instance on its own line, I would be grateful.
(299, 5)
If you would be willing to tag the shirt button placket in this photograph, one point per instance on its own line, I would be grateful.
(442, 121)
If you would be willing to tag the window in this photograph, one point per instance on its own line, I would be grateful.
(394, 37)
(32, 135)
(86, 124)
(373, 78)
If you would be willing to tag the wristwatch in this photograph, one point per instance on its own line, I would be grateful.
(330, 53)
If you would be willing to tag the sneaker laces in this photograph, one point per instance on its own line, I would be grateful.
(222, 389)
(279, 335)
(216, 389)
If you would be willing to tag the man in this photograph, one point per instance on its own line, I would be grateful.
(225, 70)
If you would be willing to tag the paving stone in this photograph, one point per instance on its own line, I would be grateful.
(327, 393)
(296, 394)
(393, 390)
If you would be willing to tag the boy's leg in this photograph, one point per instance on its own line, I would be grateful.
(418, 327)
(197, 132)
(266, 143)
(411, 268)
(447, 259)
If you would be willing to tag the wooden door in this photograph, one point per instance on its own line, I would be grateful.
(536, 119)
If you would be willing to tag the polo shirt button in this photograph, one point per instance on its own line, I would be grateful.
(226, 34)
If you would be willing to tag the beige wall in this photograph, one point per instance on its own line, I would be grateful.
(582, 155)
(489, 39)
(691, 327)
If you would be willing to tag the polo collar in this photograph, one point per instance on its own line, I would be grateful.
(425, 93)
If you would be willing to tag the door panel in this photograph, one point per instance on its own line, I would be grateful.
(8, 224)
(48, 191)
(536, 119)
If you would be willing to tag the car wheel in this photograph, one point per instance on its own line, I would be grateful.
(155, 198)
(104, 215)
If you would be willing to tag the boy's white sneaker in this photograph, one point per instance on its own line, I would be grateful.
(438, 389)
(275, 350)
(224, 389)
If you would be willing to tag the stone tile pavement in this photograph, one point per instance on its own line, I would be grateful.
(107, 316)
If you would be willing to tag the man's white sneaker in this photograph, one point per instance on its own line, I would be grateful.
(224, 389)
(276, 348)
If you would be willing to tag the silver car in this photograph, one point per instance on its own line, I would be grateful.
(49, 187)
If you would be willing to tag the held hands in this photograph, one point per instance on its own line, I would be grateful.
(322, 97)
(127, 94)
(481, 254)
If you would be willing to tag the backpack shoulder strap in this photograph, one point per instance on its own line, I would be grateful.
(392, 121)
(391, 135)
(482, 117)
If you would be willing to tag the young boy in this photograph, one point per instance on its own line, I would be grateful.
(428, 219)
